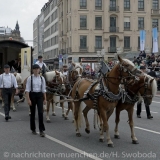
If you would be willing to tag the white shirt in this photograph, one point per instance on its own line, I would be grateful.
(40, 64)
(65, 73)
(37, 84)
(8, 81)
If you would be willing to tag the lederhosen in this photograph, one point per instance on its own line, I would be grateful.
(36, 99)
(6, 95)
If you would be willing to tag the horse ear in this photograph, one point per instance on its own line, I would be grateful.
(120, 59)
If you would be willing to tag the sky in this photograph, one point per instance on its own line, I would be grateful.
(25, 11)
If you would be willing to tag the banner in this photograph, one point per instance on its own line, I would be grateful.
(155, 40)
(142, 39)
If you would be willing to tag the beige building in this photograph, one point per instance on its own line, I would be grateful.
(87, 26)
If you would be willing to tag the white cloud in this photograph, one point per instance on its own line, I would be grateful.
(25, 11)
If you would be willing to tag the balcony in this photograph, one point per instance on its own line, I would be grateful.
(83, 7)
(155, 11)
(127, 28)
(98, 48)
(127, 49)
(83, 28)
(112, 49)
(127, 9)
(83, 49)
(140, 9)
(114, 29)
(98, 7)
(114, 8)
(98, 27)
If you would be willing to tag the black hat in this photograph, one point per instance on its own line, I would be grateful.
(142, 67)
(40, 57)
(6, 66)
(35, 66)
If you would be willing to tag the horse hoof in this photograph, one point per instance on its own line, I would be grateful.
(14, 110)
(48, 121)
(66, 118)
(101, 140)
(135, 142)
(87, 131)
(116, 136)
(78, 134)
(63, 115)
(53, 114)
(110, 145)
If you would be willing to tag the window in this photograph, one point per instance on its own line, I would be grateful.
(83, 4)
(98, 42)
(98, 4)
(155, 4)
(140, 5)
(83, 22)
(127, 42)
(155, 23)
(127, 5)
(83, 42)
(140, 23)
(126, 23)
(98, 22)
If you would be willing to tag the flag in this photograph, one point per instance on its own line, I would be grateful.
(155, 40)
(142, 39)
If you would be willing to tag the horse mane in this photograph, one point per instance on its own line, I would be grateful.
(153, 85)
(49, 76)
(128, 61)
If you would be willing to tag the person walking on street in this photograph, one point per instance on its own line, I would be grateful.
(36, 95)
(7, 83)
(139, 104)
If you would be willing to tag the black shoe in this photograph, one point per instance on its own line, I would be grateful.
(6, 118)
(9, 117)
(138, 116)
(42, 134)
(150, 117)
(34, 132)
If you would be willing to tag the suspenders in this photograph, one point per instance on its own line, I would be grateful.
(3, 81)
(32, 83)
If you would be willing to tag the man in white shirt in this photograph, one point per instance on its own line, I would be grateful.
(36, 95)
(42, 65)
(7, 83)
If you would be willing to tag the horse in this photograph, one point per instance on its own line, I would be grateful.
(146, 88)
(55, 85)
(74, 74)
(108, 84)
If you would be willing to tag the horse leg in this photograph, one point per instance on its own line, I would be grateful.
(117, 119)
(47, 113)
(77, 117)
(62, 105)
(12, 102)
(106, 127)
(2, 103)
(53, 107)
(131, 124)
(85, 112)
(67, 112)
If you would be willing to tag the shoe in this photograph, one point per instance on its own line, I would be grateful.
(138, 116)
(9, 117)
(42, 134)
(34, 132)
(150, 117)
(6, 118)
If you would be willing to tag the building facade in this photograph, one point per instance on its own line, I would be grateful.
(7, 33)
(88, 26)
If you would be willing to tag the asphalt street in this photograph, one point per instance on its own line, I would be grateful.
(17, 142)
